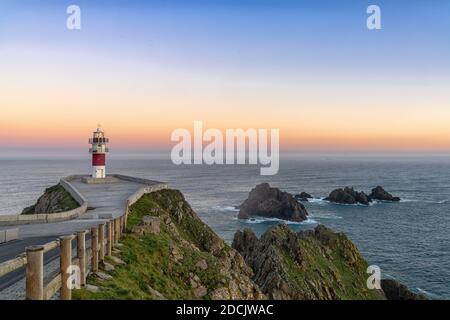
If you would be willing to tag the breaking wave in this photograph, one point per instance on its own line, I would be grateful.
(226, 208)
(325, 216)
(425, 201)
(256, 220)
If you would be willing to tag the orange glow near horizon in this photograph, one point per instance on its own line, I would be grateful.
(142, 135)
(140, 112)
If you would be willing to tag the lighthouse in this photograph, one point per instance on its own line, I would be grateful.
(99, 149)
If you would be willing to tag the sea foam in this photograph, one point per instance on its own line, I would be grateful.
(256, 220)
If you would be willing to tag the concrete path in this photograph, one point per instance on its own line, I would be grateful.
(105, 201)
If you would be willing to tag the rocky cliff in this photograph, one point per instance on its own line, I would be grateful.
(55, 199)
(317, 264)
(169, 253)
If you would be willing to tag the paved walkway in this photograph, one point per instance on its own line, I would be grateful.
(105, 201)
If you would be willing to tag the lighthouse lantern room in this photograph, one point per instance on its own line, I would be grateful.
(99, 149)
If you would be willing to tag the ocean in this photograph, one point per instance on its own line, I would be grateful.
(409, 240)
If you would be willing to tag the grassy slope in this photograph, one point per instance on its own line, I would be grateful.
(149, 261)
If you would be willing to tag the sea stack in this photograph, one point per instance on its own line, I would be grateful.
(303, 196)
(378, 193)
(265, 201)
(348, 196)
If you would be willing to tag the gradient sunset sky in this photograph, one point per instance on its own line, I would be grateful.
(310, 68)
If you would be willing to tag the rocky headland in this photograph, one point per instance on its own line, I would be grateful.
(265, 201)
(55, 199)
(167, 252)
(307, 265)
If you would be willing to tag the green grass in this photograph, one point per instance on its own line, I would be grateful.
(148, 258)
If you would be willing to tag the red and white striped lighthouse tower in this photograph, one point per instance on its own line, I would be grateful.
(99, 150)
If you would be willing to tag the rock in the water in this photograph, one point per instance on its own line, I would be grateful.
(348, 196)
(394, 290)
(379, 193)
(303, 196)
(265, 201)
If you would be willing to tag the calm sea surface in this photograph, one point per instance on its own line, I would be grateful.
(409, 240)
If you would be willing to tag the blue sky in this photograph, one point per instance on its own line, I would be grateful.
(293, 60)
(266, 36)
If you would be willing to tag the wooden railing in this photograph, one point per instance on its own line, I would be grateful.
(103, 238)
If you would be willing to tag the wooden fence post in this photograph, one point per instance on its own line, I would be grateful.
(35, 273)
(65, 262)
(119, 222)
(81, 254)
(116, 231)
(126, 218)
(101, 242)
(110, 239)
(94, 249)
